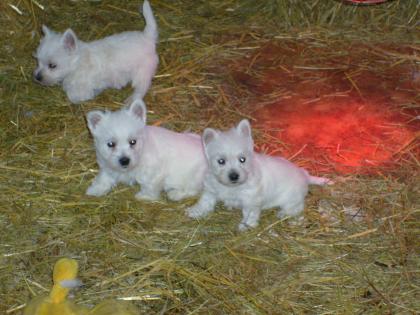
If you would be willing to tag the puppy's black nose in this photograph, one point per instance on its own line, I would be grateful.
(38, 76)
(233, 176)
(124, 161)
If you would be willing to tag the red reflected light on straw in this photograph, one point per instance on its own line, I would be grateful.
(351, 136)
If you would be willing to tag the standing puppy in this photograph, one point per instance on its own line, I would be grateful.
(128, 151)
(241, 178)
(86, 69)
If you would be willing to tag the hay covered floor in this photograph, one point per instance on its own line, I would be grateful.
(333, 87)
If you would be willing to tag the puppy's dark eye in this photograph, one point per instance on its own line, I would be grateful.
(242, 159)
(221, 161)
(111, 144)
(52, 65)
(132, 142)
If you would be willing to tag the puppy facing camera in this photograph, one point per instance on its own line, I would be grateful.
(128, 151)
(85, 69)
(252, 182)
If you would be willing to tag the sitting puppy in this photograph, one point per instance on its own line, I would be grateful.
(241, 178)
(86, 69)
(158, 159)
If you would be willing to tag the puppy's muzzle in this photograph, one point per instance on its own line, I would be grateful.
(124, 161)
(38, 76)
(233, 177)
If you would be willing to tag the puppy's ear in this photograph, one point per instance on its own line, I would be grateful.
(138, 108)
(244, 128)
(93, 119)
(209, 135)
(69, 40)
(45, 30)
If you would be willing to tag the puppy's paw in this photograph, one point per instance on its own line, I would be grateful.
(242, 227)
(177, 195)
(97, 190)
(196, 212)
(144, 195)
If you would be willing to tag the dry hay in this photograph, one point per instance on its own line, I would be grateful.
(357, 251)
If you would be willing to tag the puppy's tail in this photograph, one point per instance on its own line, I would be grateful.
(151, 30)
(314, 180)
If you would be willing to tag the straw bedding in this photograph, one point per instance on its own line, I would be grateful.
(356, 251)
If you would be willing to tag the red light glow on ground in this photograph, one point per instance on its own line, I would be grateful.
(345, 135)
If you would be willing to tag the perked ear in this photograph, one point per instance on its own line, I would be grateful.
(209, 135)
(244, 128)
(138, 108)
(45, 30)
(93, 119)
(69, 40)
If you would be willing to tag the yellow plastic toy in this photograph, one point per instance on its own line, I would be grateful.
(64, 277)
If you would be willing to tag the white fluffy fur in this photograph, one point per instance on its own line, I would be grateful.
(87, 68)
(240, 178)
(159, 159)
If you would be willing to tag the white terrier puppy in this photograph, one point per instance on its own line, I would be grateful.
(241, 178)
(86, 69)
(158, 159)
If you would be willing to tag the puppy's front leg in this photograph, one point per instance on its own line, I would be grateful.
(203, 207)
(148, 193)
(151, 187)
(78, 89)
(251, 216)
(77, 96)
(101, 185)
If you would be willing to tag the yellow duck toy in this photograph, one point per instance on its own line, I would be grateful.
(64, 276)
